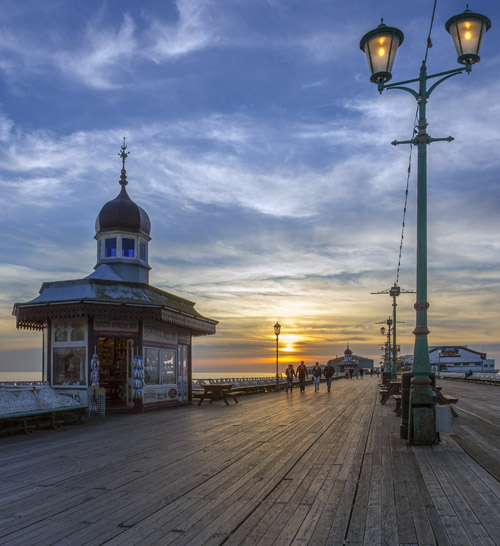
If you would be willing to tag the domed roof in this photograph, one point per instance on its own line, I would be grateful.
(124, 215)
(348, 351)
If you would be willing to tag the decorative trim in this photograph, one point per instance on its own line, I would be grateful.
(34, 317)
(421, 331)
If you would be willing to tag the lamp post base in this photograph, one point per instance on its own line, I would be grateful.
(422, 422)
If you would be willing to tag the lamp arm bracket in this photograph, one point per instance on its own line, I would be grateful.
(401, 85)
(454, 73)
(444, 139)
(397, 142)
(451, 72)
(409, 89)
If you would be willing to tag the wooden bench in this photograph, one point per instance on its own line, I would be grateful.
(218, 392)
(446, 400)
(394, 387)
(442, 399)
(31, 420)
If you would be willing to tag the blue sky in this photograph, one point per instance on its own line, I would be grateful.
(261, 152)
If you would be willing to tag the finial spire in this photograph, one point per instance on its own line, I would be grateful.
(123, 154)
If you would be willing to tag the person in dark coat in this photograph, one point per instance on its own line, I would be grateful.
(290, 374)
(328, 372)
(302, 374)
(316, 373)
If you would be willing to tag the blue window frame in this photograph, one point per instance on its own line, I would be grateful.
(110, 247)
(128, 248)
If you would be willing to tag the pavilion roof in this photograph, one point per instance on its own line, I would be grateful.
(110, 299)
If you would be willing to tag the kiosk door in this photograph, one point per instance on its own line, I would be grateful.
(115, 355)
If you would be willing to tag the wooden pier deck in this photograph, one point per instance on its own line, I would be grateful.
(275, 469)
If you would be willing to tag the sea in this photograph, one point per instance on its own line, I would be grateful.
(37, 376)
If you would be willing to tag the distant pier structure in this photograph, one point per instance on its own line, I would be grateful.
(350, 361)
(115, 313)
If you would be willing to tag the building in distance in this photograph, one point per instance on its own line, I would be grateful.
(351, 361)
(457, 359)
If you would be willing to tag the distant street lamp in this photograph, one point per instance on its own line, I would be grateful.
(394, 292)
(277, 330)
(386, 351)
(388, 359)
(380, 46)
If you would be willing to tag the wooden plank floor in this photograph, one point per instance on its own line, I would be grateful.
(275, 469)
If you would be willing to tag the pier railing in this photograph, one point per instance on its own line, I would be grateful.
(250, 384)
(244, 384)
(487, 378)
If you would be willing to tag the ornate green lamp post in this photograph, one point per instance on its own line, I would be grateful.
(277, 330)
(380, 45)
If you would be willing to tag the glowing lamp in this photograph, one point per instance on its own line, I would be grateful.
(467, 30)
(380, 46)
(277, 329)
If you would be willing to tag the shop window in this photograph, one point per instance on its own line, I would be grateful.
(168, 363)
(69, 353)
(182, 371)
(160, 366)
(69, 366)
(128, 247)
(151, 366)
(78, 331)
(110, 247)
(60, 331)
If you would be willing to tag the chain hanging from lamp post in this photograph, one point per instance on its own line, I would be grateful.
(277, 330)
(380, 46)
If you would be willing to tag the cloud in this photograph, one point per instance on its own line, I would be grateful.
(103, 54)
(193, 31)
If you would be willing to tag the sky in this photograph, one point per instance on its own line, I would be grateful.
(262, 155)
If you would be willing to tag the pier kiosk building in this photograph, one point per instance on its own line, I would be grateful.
(350, 361)
(115, 313)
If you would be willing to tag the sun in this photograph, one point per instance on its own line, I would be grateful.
(287, 343)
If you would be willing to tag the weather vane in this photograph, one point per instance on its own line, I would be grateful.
(123, 153)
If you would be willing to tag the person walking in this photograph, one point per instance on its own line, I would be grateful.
(361, 372)
(328, 372)
(302, 373)
(316, 373)
(290, 374)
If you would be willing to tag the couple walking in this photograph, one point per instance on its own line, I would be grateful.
(302, 373)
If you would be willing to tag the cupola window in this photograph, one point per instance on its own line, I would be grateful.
(142, 251)
(110, 247)
(128, 247)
